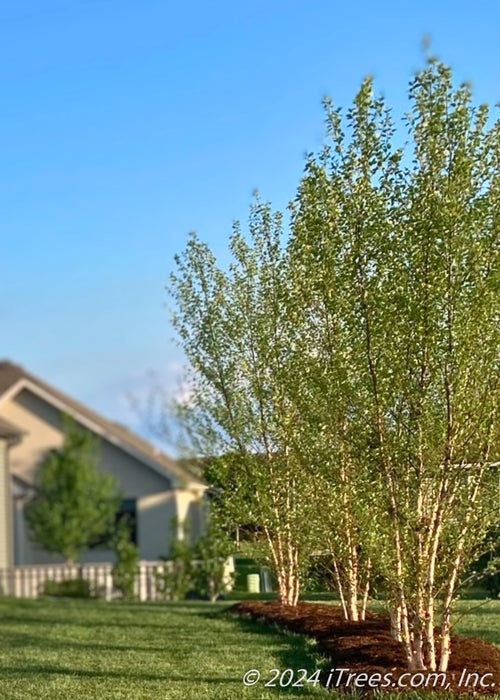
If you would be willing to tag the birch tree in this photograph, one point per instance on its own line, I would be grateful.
(350, 380)
(406, 246)
(235, 329)
(336, 406)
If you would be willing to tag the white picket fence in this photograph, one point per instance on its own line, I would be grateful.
(29, 581)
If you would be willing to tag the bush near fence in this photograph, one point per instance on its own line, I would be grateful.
(30, 581)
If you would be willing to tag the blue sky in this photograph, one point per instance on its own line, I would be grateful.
(127, 124)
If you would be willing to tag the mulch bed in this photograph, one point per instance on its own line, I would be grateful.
(367, 647)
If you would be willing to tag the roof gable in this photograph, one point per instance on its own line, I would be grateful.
(14, 379)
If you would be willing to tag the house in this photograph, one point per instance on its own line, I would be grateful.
(155, 488)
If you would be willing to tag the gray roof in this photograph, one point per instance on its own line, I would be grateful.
(11, 374)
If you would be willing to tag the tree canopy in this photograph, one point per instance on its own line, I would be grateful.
(75, 505)
(352, 360)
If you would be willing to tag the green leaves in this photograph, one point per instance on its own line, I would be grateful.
(126, 566)
(347, 373)
(75, 504)
(399, 265)
(239, 333)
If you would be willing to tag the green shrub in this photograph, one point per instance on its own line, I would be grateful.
(211, 552)
(197, 571)
(177, 578)
(71, 588)
(126, 567)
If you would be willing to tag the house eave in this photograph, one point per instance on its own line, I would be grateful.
(10, 433)
(175, 480)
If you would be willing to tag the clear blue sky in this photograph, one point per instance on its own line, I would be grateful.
(127, 124)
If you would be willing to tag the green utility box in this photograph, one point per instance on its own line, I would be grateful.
(253, 583)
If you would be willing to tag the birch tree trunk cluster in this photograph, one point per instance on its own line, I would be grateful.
(345, 369)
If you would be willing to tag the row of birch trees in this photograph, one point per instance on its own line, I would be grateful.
(344, 369)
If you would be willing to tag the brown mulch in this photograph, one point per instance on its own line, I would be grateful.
(367, 647)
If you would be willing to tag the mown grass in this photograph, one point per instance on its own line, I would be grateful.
(88, 649)
(479, 618)
(85, 649)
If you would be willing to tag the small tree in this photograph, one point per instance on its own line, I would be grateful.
(176, 578)
(127, 559)
(211, 553)
(75, 505)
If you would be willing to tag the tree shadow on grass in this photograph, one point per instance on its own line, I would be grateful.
(23, 640)
(298, 652)
(73, 619)
(294, 652)
(51, 621)
(50, 670)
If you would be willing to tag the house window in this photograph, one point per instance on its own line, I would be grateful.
(128, 514)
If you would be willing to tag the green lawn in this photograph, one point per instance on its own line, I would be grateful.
(71, 649)
(477, 618)
(86, 649)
